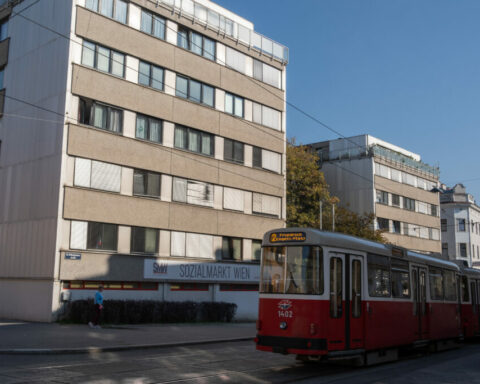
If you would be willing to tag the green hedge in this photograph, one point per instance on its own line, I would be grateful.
(150, 311)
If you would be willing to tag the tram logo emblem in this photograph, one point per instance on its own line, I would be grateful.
(284, 305)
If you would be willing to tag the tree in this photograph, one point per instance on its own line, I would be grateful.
(306, 187)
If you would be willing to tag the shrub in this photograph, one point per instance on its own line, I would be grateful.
(150, 311)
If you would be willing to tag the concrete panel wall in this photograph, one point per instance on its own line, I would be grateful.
(97, 28)
(247, 303)
(406, 190)
(414, 243)
(29, 300)
(96, 144)
(89, 205)
(31, 157)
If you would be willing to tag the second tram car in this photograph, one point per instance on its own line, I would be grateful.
(325, 294)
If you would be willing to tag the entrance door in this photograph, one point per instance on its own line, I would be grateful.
(419, 287)
(345, 319)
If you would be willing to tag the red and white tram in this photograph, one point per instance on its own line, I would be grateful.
(325, 294)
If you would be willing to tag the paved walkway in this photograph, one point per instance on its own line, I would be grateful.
(43, 338)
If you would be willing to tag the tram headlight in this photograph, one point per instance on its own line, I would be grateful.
(283, 325)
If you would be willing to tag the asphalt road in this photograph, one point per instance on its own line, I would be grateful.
(236, 362)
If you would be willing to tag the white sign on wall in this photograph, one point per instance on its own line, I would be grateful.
(181, 270)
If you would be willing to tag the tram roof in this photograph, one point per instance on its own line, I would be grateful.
(340, 240)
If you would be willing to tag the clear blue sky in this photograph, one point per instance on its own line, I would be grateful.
(406, 71)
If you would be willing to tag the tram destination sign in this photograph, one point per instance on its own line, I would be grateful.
(177, 270)
(287, 237)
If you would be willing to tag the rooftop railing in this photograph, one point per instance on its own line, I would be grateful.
(222, 24)
(404, 160)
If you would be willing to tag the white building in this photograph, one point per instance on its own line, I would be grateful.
(460, 221)
(370, 175)
(136, 135)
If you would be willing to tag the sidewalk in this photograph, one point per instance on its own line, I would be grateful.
(51, 338)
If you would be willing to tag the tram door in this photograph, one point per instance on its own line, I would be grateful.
(345, 325)
(419, 290)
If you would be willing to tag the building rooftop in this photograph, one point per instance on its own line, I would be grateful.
(370, 146)
(228, 23)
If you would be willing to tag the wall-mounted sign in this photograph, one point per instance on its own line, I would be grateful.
(176, 270)
(287, 237)
(73, 256)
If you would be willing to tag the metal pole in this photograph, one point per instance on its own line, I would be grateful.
(333, 217)
(321, 214)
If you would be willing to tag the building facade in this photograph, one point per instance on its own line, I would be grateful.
(370, 175)
(142, 147)
(460, 222)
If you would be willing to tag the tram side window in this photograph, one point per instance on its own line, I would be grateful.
(400, 279)
(436, 283)
(336, 285)
(273, 267)
(450, 285)
(464, 287)
(304, 270)
(378, 276)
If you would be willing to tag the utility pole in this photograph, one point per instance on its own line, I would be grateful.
(333, 217)
(321, 214)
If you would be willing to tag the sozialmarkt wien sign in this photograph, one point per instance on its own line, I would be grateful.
(176, 270)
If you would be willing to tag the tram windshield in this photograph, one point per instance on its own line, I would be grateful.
(292, 270)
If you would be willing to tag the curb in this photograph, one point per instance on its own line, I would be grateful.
(119, 348)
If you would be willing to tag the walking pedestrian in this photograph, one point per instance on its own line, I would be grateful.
(98, 301)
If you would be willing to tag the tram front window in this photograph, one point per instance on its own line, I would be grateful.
(293, 270)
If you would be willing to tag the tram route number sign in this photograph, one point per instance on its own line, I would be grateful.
(287, 237)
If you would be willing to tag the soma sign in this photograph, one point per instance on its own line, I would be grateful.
(176, 270)
(286, 237)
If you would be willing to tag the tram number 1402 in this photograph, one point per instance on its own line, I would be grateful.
(285, 314)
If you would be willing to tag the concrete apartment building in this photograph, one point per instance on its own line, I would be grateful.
(142, 146)
(370, 175)
(460, 225)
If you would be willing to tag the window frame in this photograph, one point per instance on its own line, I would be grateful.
(90, 104)
(145, 174)
(234, 98)
(189, 42)
(233, 142)
(134, 242)
(89, 239)
(230, 249)
(149, 120)
(189, 96)
(152, 26)
(150, 76)
(110, 58)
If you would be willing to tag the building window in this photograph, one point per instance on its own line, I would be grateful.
(382, 197)
(267, 74)
(109, 285)
(234, 104)
(194, 140)
(267, 116)
(144, 240)
(3, 30)
(148, 128)
(102, 236)
(152, 24)
(383, 224)
(103, 59)
(116, 9)
(462, 249)
(396, 226)
(189, 287)
(257, 157)
(150, 75)
(443, 225)
(192, 192)
(195, 91)
(146, 183)
(461, 225)
(409, 204)
(196, 43)
(395, 200)
(233, 151)
(256, 250)
(445, 249)
(231, 248)
(100, 116)
(434, 210)
(266, 205)
(97, 174)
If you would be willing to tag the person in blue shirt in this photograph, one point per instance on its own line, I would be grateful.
(98, 301)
